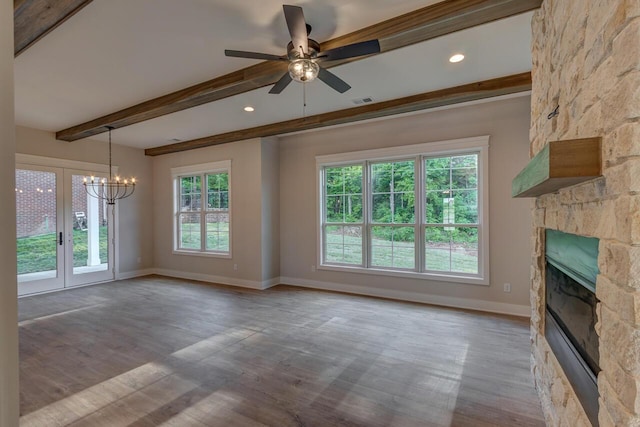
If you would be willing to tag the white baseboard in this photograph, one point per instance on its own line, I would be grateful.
(455, 302)
(471, 304)
(231, 281)
(266, 284)
(136, 273)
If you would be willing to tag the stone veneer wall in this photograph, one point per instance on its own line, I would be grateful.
(586, 59)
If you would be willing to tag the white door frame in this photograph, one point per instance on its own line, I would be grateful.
(71, 278)
(66, 169)
(35, 283)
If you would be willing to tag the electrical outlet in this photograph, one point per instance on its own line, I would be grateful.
(313, 268)
(235, 267)
(507, 287)
(139, 260)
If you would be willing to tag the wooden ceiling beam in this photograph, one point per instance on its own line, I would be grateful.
(423, 24)
(465, 93)
(445, 17)
(34, 19)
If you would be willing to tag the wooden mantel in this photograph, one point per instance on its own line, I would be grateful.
(560, 164)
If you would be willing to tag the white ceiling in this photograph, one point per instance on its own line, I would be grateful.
(114, 54)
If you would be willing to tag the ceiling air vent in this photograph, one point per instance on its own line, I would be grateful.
(360, 101)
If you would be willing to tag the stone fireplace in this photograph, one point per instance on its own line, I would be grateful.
(586, 60)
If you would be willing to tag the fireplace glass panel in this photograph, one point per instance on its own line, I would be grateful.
(574, 307)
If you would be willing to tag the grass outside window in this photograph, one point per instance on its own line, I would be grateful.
(38, 253)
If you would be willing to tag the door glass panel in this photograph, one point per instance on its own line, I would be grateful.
(90, 230)
(36, 219)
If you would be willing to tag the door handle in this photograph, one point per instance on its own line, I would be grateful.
(60, 241)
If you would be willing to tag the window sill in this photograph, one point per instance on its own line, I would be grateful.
(467, 280)
(203, 254)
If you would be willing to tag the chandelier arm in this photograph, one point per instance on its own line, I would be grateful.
(124, 191)
(119, 187)
(115, 190)
(127, 195)
(91, 190)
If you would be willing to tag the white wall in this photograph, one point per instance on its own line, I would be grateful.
(270, 194)
(8, 287)
(135, 214)
(246, 213)
(506, 121)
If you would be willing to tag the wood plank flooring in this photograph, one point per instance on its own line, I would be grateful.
(158, 351)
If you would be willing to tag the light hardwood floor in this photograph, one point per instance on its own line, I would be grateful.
(159, 351)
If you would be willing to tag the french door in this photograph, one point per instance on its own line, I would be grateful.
(64, 236)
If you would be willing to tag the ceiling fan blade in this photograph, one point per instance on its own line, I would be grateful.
(351, 51)
(297, 27)
(254, 55)
(332, 80)
(281, 84)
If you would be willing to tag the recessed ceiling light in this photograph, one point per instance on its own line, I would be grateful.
(249, 109)
(456, 58)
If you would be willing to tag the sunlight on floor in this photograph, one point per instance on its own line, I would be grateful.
(51, 316)
(137, 385)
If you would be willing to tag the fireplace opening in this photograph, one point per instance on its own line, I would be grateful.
(573, 307)
(570, 278)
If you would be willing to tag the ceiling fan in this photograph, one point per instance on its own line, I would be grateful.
(303, 54)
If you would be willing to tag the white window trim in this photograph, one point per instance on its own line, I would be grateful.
(478, 144)
(28, 159)
(203, 168)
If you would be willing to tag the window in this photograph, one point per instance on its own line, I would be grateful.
(202, 214)
(417, 210)
(451, 194)
(393, 214)
(344, 223)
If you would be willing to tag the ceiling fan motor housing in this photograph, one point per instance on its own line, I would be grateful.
(295, 53)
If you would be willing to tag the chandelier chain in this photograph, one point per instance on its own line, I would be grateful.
(110, 173)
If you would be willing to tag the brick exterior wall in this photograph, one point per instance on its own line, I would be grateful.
(36, 202)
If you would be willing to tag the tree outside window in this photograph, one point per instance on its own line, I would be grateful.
(381, 215)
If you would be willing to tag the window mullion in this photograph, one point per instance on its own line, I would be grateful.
(419, 212)
(323, 221)
(204, 198)
(177, 232)
(176, 200)
(367, 203)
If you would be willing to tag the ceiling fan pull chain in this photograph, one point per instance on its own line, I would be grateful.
(304, 100)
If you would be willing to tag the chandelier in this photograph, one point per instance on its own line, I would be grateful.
(111, 189)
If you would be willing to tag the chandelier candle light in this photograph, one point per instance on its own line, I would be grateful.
(111, 189)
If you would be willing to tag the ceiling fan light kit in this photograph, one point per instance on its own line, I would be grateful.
(303, 70)
(303, 54)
